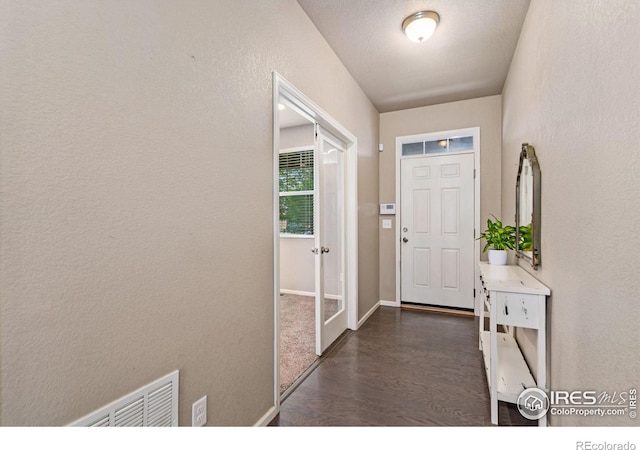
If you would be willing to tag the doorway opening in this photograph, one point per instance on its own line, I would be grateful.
(315, 233)
(438, 198)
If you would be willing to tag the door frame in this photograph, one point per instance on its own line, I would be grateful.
(475, 132)
(295, 99)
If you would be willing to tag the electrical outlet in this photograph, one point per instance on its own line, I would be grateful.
(199, 412)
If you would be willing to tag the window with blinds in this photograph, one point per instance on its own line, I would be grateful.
(296, 192)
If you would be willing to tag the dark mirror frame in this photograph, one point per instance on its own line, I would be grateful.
(528, 153)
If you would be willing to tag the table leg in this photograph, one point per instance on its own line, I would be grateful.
(542, 352)
(493, 330)
(481, 325)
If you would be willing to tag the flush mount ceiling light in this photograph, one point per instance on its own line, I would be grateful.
(420, 26)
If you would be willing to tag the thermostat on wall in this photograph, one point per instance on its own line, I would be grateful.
(387, 208)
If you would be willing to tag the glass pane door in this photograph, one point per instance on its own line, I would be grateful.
(331, 317)
(332, 227)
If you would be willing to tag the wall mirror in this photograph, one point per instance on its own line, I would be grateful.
(528, 207)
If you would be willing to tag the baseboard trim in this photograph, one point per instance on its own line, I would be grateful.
(267, 418)
(368, 314)
(294, 292)
(307, 294)
(392, 303)
(454, 312)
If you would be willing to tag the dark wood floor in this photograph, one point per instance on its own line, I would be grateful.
(401, 368)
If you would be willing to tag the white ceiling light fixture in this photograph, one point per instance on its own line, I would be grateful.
(420, 26)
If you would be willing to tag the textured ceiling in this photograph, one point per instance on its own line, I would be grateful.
(467, 57)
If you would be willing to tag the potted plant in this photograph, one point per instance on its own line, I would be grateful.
(501, 238)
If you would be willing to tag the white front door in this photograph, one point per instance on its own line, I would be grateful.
(436, 230)
(329, 225)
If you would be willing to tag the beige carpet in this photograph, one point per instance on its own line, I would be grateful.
(298, 335)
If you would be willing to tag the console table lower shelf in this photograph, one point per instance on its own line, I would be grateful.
(512, 374)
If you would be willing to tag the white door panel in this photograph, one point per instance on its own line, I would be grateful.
(437, 223)
(329, 230)
(421, 259)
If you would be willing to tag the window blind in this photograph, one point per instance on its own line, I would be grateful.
(296, 192)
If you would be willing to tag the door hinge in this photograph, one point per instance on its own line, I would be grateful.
(474, 174)
(474, 293)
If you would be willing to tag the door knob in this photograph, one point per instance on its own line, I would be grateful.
(324, 249)
(404, 239)
(314, 250)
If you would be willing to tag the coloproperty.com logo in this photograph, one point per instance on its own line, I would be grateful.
(534, 403)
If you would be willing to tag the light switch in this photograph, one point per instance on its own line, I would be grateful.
(386, 223)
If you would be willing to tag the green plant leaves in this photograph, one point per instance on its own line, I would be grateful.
(498, 236)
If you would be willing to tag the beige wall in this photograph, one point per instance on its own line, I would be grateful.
(136, 181)
(481, 112)
(297, 264)
(572, 92)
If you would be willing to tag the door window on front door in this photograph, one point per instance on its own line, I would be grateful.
(437, 230)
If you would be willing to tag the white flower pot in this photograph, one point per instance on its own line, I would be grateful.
(498, 257)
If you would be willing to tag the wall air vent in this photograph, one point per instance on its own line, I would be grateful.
(154, 405)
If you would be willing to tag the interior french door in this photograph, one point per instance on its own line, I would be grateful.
(329, 232)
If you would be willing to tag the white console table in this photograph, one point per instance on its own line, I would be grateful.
(514, 299)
